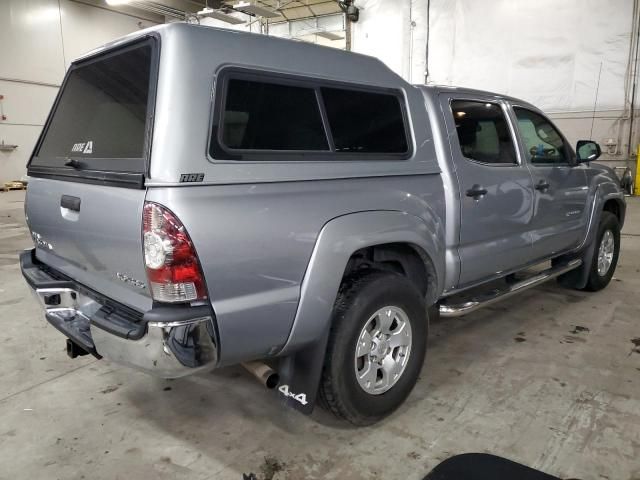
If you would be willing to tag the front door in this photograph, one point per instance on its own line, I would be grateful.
(495, 188)
(560, 213)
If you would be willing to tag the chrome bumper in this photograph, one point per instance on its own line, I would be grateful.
(167, 349)
(168, 342)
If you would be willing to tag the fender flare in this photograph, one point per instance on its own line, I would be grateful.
(602, 193)
(302, 357)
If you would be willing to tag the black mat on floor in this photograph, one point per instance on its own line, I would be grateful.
(482, 466)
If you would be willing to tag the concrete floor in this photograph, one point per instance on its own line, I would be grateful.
(518, 380)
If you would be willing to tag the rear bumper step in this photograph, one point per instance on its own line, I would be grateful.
(457, 310)
(168, 341)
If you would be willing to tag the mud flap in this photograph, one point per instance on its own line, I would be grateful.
(300, 375)
(578, 277)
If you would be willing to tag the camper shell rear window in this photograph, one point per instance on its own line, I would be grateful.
(101, 118)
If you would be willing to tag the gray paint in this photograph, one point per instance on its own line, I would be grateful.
(93, 246)
(274, 238)
(258, 239)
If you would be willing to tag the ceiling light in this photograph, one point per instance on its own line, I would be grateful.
(253, 9)
(329, 35)
(115, 3)
(319, 32)
(219, 15)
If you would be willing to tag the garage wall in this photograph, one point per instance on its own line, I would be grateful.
(38, 40)
(550, 53)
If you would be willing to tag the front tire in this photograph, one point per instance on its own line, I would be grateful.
(605, 255)
(376, 348)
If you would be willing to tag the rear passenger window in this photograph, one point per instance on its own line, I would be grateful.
(483, 132)
(268, 116)
(365, 122)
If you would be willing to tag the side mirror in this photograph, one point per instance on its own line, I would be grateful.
(587, 151)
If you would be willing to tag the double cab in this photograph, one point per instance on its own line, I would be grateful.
(201, 198)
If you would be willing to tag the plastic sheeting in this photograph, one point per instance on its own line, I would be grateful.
(549, 52)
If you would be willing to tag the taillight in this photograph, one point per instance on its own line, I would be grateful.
(173, 269)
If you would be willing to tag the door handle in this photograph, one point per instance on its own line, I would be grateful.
(72, 162)
(477, 192)
(69, 202)
(542, 185)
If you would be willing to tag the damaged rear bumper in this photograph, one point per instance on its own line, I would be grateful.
(167, 341)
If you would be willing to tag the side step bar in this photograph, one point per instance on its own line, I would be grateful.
(500, 294)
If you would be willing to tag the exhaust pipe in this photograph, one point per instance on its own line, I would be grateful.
(263, 373)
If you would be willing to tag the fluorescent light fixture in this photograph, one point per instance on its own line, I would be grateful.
(115, 3)
(319, 32)
(257, 10)
(219, 15)
(329, 35)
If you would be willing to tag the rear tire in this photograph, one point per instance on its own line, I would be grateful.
(379, 325)
(605, 255)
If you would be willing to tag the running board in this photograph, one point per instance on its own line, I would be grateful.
(500, 294)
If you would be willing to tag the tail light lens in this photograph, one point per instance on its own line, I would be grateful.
(173, 269)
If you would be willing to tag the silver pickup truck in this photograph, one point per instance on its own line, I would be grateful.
(202, 198)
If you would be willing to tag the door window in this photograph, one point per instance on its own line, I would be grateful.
(483, 132)
(543, 144)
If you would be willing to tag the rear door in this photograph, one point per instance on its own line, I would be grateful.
(560, 213)
(495, 188)
(86, 193)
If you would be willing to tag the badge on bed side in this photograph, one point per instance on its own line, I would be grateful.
(191, 177)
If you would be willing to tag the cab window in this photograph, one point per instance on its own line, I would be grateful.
(543, 143)
(483, 132)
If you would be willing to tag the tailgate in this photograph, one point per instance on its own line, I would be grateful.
(100, 245)
(85, 198)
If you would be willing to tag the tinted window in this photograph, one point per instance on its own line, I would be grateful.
(102, 111)
(483, 132)
(365, 122)
(267, 116)
(542, 142)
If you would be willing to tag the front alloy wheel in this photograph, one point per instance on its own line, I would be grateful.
(605, 253)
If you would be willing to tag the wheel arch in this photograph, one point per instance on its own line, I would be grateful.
(396, 237)
(615, 206)
(606, 196)
(391, 235)
(406, 258)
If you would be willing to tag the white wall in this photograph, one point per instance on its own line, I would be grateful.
(38, 40)
(547, 52)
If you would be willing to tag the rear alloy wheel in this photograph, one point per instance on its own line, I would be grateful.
(376, 347)
(383, 350)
